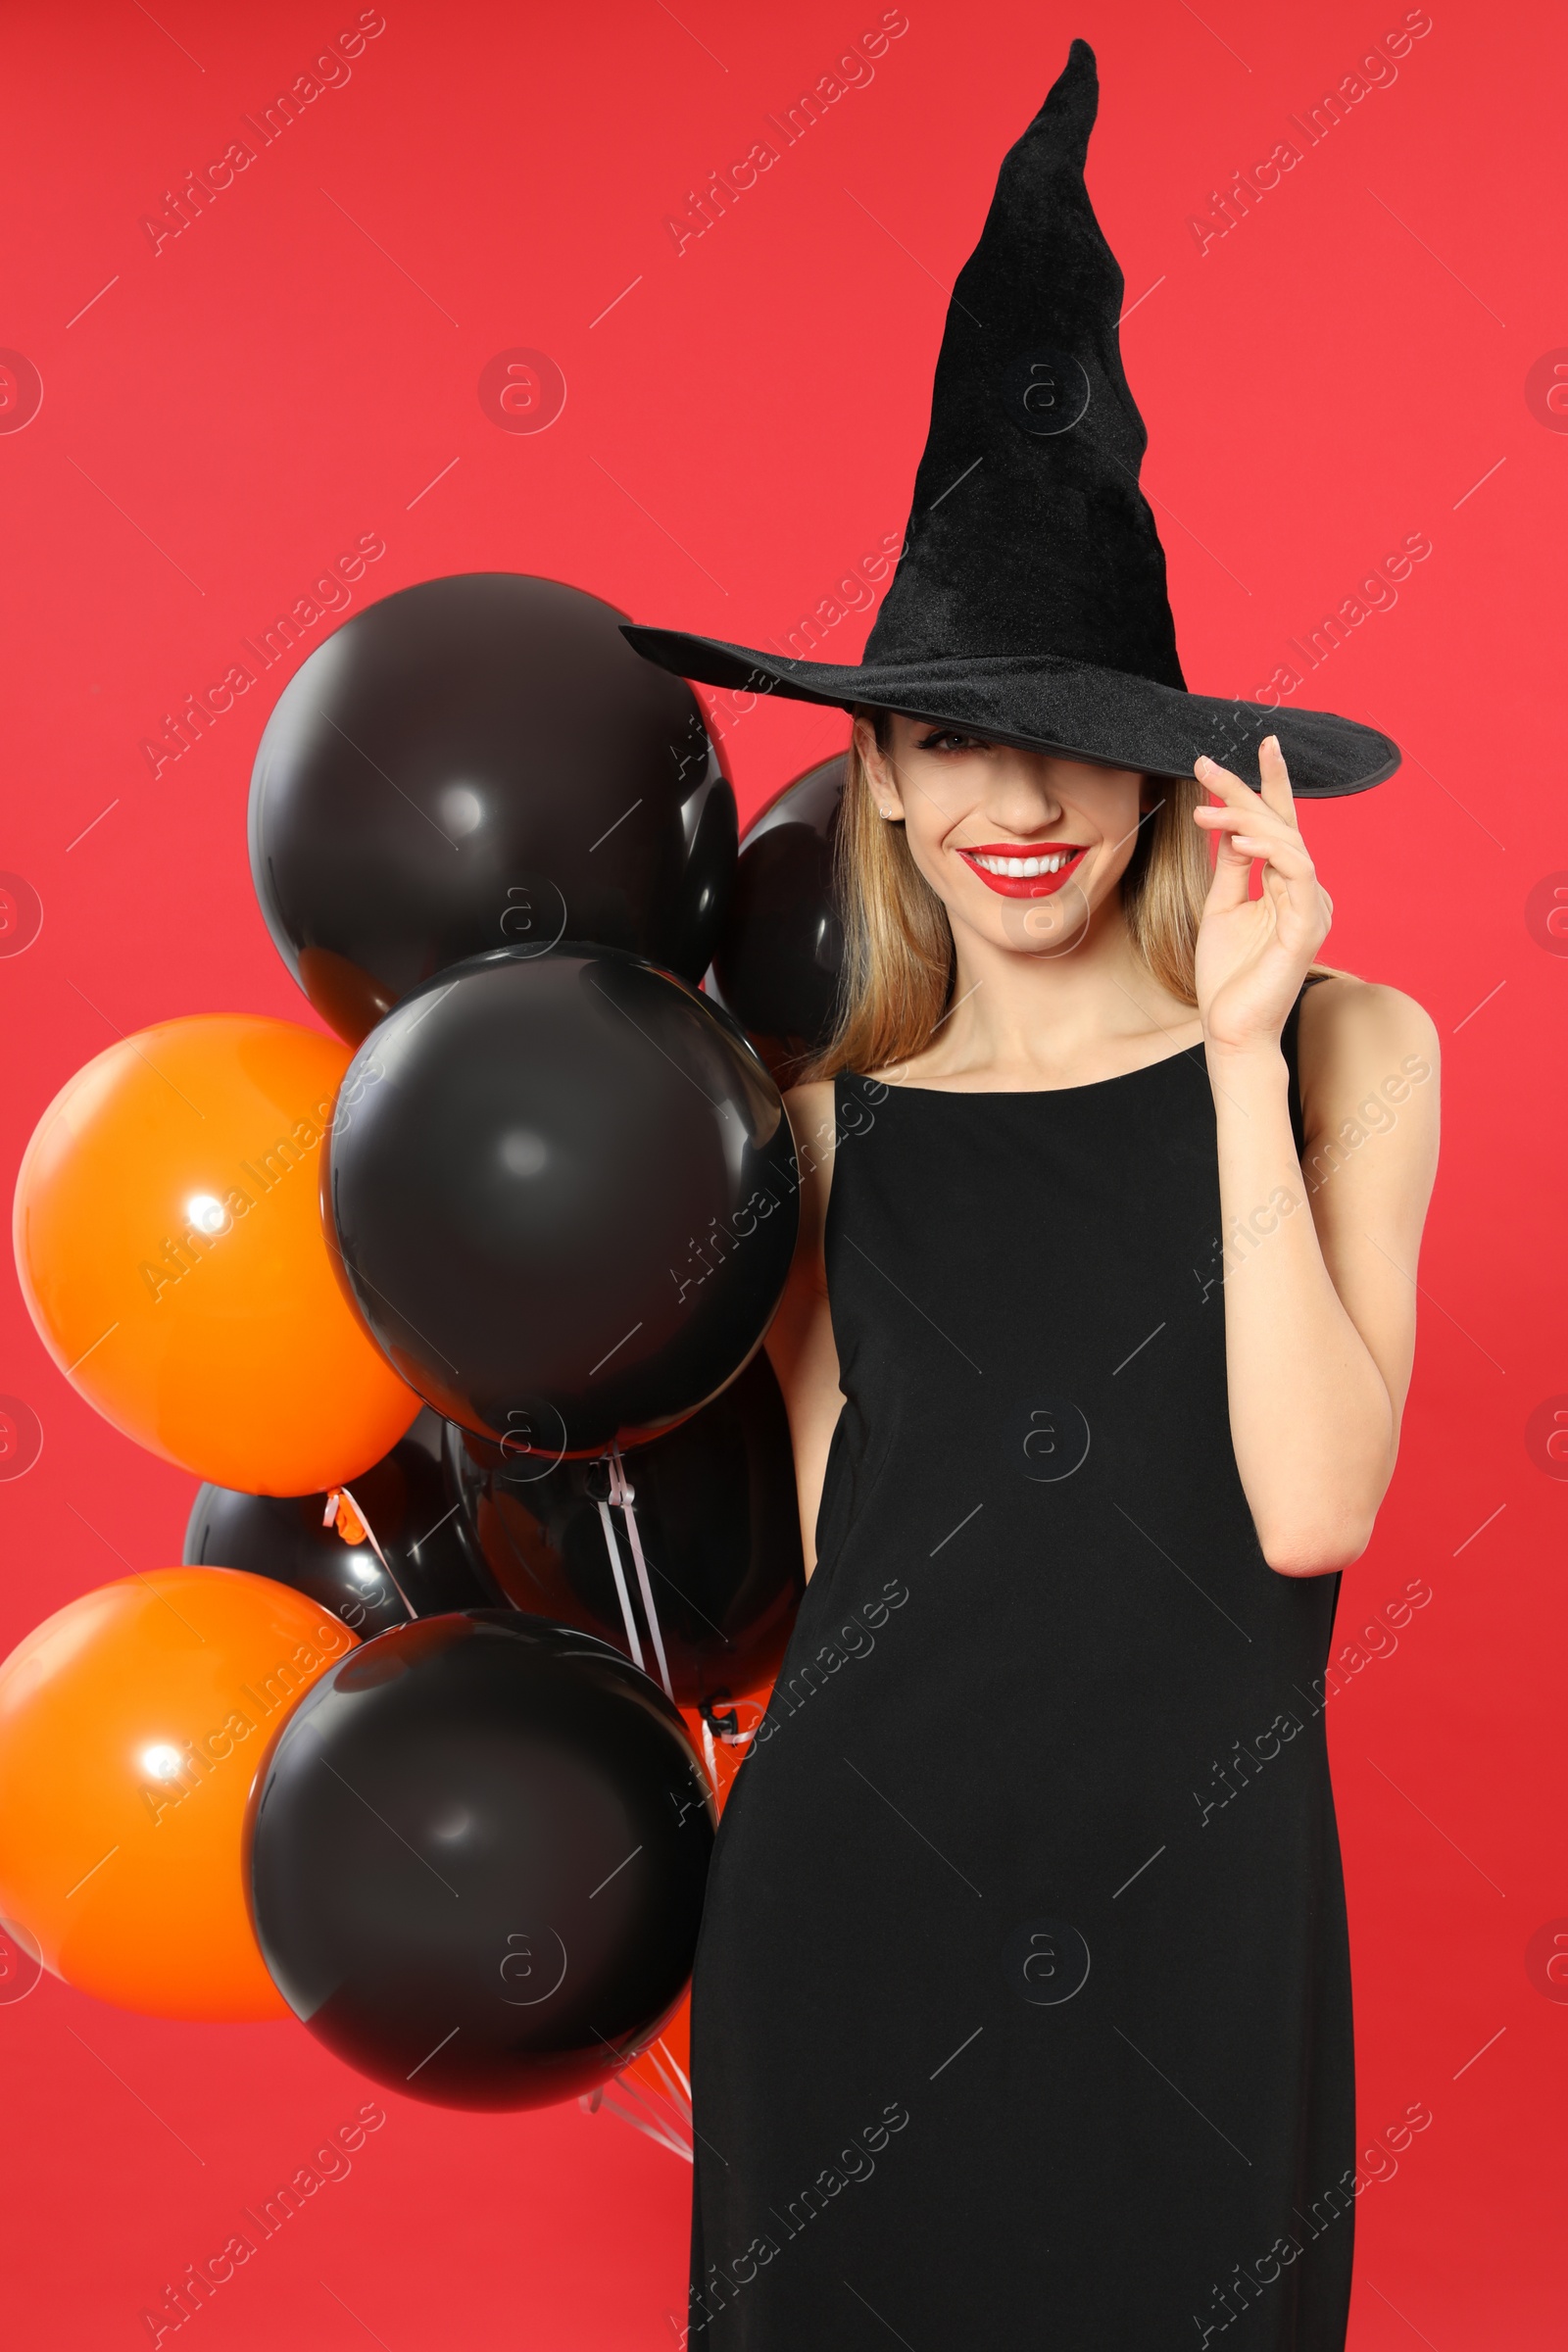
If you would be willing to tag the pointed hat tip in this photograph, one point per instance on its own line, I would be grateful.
(1073, 99)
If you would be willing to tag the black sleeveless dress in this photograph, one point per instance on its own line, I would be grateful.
(1021, 2013)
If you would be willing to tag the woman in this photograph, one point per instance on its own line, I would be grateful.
(1023, 2011)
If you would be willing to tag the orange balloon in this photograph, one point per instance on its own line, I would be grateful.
(170, 1250)
(133, 1725)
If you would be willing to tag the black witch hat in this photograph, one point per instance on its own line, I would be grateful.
(1029, 605)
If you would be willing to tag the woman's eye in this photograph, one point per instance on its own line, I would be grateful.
(948, 739)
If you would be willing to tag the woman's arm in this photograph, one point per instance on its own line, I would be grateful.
(1319, 1259)
(1319, 1264)
(799, 1337)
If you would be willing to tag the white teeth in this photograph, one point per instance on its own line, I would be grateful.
(1018, 868)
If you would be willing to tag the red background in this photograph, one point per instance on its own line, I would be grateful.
(300, 365)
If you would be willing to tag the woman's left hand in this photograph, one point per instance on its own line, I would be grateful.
(1254, 954)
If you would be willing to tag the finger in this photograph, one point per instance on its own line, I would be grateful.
(1289, 874)
(1234, 802)
(1230, 882)
(1276, 780)
(1289, 857)
(1228, 788)
(1230, 887)
(1254, 818)
(1221, 782)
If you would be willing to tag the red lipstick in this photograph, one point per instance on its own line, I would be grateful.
(1022, 886)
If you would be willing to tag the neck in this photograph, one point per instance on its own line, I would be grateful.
(1055, 1013)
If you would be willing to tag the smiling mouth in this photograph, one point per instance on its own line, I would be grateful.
(1025, 871)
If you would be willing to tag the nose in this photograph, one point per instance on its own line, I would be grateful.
(1022, 797)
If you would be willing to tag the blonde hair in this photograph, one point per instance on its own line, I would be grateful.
(899, 957)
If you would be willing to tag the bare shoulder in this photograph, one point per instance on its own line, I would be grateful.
(1369, 1066)
(811, 1109)
(811, 1122)
(810, 1102)
(1359, 1034)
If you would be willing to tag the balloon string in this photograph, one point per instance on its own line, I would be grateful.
(669, 2117)
(648, 2101)
(621, 1593)
(663, 2139)
(666, 2067)
(622, 1492)
(386, 1564)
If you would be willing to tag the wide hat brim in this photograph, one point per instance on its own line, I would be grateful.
(1044, 703)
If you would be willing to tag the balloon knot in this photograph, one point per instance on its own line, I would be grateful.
(341, 1514)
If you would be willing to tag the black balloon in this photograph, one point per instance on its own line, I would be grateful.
(563, 1189)
(718, 1519)
(474, 762)
(780, 949)
(478, 1857)
(409, 1507)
